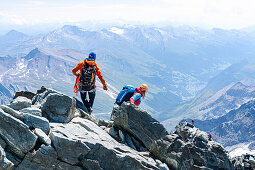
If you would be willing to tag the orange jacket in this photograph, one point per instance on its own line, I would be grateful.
(80, 65)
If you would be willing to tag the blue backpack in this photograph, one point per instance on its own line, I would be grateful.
(125, 94)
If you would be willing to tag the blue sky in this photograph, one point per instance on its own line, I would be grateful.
(205, 13)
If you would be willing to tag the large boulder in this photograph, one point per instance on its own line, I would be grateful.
(16, 134)
(5, 164)
(29, 119)
(44, 158)
(58, 107)
(87, 144)
(20, 103)
(36, 122)
(138, 123)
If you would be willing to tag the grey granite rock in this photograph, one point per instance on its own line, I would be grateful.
(38, 98)
(37, 122)
(26, 94)
(20, 103)
(32, 110)
(44, 158)
(12, 112)
(58, 108)
(181, 152)
(90, 164)
(42, 136)
(2, 143)
(138, 123)
(87, 116)
(13, 158)
(5, 164)
(89, 143)
(29, 119)
(16, 134)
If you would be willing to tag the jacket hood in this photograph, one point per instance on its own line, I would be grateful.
(90, 62)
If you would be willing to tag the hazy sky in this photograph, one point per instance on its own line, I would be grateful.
(213, 13)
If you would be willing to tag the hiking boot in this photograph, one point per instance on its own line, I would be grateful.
(89, 111)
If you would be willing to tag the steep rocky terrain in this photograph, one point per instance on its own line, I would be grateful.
(53, 131)
(235, 127)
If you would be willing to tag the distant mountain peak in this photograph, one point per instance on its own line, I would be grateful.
(14, 32)
(14, 35)
(71, 28)
(32, 53)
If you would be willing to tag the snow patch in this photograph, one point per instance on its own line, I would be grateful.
(48, 40)
(117, 30)
(240, 149)
(82, 29)
(21, 66)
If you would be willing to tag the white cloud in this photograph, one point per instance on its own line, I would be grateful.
(216, 13)
(37, 2)
(6, 18)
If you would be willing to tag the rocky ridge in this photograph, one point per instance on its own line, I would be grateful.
(53, 131)
(237, 126)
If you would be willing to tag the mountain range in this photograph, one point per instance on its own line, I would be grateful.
(160, 57)
(209, 104)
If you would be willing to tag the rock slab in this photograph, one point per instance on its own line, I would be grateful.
(88, 143)
(138, 123)
(16, 134)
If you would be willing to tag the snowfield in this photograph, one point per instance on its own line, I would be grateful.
(240, 149)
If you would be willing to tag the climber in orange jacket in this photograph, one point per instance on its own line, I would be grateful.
(87, 77)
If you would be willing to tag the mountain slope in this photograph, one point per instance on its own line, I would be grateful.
(10, 39)
(235, 127)
(53, 68)
(209, 105)
(240, 71)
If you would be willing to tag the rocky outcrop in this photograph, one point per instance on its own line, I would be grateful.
(244, 162)
(190, 148)
(68, 143)
(66, 137)
(138, 123)
(85, 141)
(186, 148)
(43, 138)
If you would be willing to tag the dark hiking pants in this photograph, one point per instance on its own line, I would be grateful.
(88, 103)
